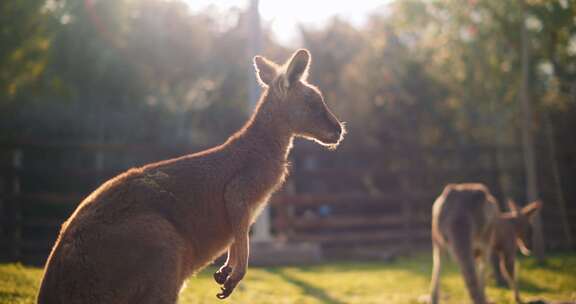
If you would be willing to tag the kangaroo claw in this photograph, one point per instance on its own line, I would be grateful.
(222, 274)
(227, 289)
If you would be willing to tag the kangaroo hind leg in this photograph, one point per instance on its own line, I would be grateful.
(436, 269)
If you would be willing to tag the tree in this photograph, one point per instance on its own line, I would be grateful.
(26, 28)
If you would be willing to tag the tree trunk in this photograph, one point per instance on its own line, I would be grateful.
(551, 143)
(528, 140)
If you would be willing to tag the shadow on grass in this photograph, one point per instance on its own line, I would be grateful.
(308, 289)
(418, 265)
(542, 301)
(531, 287)
(559, 264)
(522, 284)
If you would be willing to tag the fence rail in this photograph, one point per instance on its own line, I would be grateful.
(351, 199)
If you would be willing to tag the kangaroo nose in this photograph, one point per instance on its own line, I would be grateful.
(337, 133)
(334, 127)
(338, 129)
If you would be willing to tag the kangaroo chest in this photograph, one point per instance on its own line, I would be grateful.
(249, 190)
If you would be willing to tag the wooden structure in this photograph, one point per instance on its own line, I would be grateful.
(355, 203)
(373, 203)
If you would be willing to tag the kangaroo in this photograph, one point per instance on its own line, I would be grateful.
(141, 234)
(466, 220)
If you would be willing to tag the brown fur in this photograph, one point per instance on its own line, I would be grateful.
(141, 234)
(466, 221)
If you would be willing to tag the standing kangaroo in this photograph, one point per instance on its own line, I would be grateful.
(141, 234)
(467, 221)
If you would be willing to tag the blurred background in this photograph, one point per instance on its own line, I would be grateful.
(433, 92)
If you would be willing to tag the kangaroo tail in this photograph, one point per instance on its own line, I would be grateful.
(462, 250)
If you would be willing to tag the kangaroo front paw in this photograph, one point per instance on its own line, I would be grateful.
(222, 274)
(227, 289)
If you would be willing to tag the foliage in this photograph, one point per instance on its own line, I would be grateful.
(134, 71)
(402, 281)
(429, 72)
(447, 74)
(24, 42)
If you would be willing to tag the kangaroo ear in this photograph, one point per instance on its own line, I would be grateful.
(531, 209)
(513, 206)
(266, 70)
(297, 68)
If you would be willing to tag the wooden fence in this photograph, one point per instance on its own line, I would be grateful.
(353, 202)
(384, 200)
(41, 183)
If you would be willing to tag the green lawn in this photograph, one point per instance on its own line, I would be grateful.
(401, 281)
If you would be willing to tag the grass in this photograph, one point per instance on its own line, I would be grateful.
(398, 282)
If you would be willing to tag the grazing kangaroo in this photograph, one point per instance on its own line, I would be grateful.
(141, 234)
(467, 221)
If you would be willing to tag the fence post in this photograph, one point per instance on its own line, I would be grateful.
(16, 216)
(98, 166)
(406, 209)
(3, 218)
(495, 173)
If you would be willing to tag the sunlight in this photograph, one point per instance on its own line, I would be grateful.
(284, 16)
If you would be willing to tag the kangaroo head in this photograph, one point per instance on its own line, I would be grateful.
(522, 220)
(294, 102)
